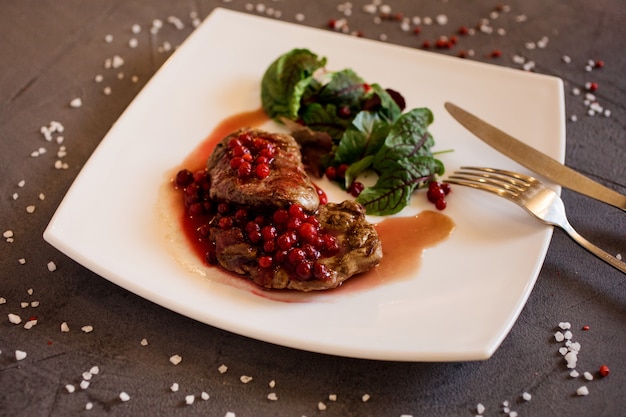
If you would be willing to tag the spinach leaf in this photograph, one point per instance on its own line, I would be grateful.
(365, 136)
(285, 81)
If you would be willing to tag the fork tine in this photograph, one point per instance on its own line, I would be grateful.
(500, 189)
(525, 178)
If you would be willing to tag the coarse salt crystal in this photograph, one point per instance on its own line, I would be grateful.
(135, 28)
(176, 359)
(76, 103)
(70, 388)
(14, 318)
(133, 42)
(299, 17)
(23, 304)
(441, 19)
(513, 414)
(30, 209)
(582, 391)
(574, 374)
(480, 408)
(272, 396)
(204, 396)
(8, 233)
(559, 337)
(106, 91)
(568, 335)
(222, 369)
(365, 398)
(95, 370)
(245, 378)
(64, 327)
(3, 300)
(189, 399)
(564, 325)
(588, 376)
(89, 406)
(87, 329)
(229, 414)
(332, 397)
(30, 323)
(84, 384)
(51, 266)
(98, 78)
(108, 38)
(174, 387)
(144, 342)
(566, 59)
(87, 376)
(20, 355)
(124, 396)
(526, 396)
(321, 406)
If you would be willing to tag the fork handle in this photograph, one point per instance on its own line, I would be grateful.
(607, 257)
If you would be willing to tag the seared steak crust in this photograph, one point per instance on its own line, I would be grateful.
(359, 251)
(286, 184)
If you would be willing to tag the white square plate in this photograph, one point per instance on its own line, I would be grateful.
(469, 290)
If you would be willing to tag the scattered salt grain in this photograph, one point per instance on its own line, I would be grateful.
(299, 17)
(51, 266)
(272, 396)
(245, 378)
(564, 325)
(124, 396)
(94, 370)
(176, 359)
(30, 209)
(332, 397)
(87, 376)
(89, 406)
(108, 38)
(229, 414)
(321, 406)
(14, 318)
(76, 103)
(7, 234)
(106, 91)
(84, 384)
(135, 28)
(30, 324)
(222, 369)
(189, 399)
(133, 42)
(34, 304)
(526, 396)
(559, 337)
(582, 391)
(98, 78)
(87, 329)
(574, 374)
(204, 396)
(64, 327)
(70, 388)
(441, 19)
(3, 300)
(144, 342)
(174, 387)
(480, 408)
(20, 355)
(365, 398)
(23, 304)
(588, 376)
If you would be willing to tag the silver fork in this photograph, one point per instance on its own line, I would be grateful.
(535, 197)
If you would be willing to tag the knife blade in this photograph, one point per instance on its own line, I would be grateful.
(535, 160)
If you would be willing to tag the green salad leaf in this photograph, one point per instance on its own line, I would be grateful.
(365, 122)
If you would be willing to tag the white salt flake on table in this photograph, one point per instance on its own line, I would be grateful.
(144, 342)
(76, 103)
(108, 38)
(23, 304)
(176, 359)
(272, 384)
(34, 304)
(365, 398)
(64, 327)
(222, 369)
(89, 406)
(84, 384)
(565, 325)
(70, 388)
(574, 374)
(30, 324)
(133, 42)
(30, 209)
(14, 318)
(582, 391)
(3, 300)
(245, 378)
(272, 396)
(87, 329)
(136, 28)
(124, 396)
(321, 406)
(588, 376)
(20, 355)
(87, 375)
(204, 395)
(332, 397)
(95, 370)
(189, 399)
(526, 396)
(559, 337)
(480, 408)
(51, 266)
(229, 414)
(174, 387)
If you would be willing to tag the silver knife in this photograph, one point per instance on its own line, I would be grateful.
(534, 160)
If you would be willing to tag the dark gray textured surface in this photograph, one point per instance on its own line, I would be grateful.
(50, 52)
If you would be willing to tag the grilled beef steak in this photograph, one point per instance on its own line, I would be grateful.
(358, 249)
(254, 168)
(259, 216)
